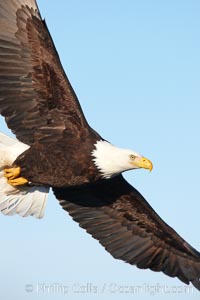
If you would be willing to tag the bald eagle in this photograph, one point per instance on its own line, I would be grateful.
(56, 148)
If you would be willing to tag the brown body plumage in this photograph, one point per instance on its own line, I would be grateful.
(41, 108)
(61, 163)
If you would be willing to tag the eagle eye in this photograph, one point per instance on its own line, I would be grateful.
(132, 157)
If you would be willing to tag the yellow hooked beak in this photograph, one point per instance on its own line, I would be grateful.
(143, 162)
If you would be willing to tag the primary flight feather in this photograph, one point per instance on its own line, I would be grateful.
(57, 148)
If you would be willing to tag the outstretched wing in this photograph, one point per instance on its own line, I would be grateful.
(117, 215)
(36, 97)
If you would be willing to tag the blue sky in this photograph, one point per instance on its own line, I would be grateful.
(135, 66)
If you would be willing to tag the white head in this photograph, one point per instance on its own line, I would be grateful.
(111, 160)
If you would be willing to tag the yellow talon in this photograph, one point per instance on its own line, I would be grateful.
(12, 175)
(17, 181)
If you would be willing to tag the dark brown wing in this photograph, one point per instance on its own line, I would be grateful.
(36, 97)
(117, 215)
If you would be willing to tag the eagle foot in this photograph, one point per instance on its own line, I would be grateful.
(12, 175)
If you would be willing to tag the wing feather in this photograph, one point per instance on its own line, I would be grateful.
(35, 91)
(117, 215)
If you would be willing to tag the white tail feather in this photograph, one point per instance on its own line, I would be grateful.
(25, 200)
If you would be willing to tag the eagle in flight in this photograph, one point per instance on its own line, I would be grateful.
(56, 148)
